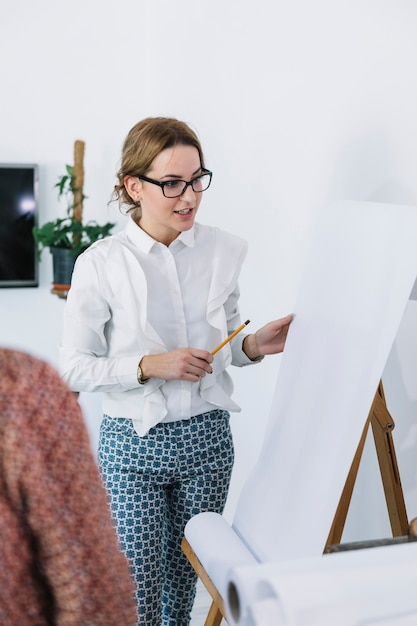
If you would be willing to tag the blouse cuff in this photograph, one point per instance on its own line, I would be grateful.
(127, 370)
(240, 358)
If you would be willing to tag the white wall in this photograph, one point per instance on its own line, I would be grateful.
(297, 104)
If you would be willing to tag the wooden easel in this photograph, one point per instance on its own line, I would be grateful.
(382, 426)
(217, 610)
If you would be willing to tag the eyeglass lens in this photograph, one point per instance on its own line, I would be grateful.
(175, 188)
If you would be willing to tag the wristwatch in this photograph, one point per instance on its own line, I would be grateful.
(141, 380)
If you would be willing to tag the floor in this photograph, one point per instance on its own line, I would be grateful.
(201, 606)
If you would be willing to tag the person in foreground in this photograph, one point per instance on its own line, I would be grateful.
(146, 308)
(60, 561)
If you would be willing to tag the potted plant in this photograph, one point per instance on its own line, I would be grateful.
(67, 237)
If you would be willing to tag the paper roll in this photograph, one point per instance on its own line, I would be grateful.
(364, 586)
(217, 546)
(265, 612)
(245, 589)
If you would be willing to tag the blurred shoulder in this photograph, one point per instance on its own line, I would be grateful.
(17, 366)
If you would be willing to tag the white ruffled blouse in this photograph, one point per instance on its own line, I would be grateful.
(108, 321)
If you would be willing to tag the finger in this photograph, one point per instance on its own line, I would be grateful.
(203, 365)
(197, 369)
(202, 355)
(201, 371)
(194, 377)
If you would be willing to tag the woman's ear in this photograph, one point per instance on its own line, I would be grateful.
(133, 187)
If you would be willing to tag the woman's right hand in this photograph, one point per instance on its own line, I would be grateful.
(181, 364)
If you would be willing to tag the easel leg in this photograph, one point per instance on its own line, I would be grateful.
(217, 609)
(336, 530)
(382, 426)
(214, 616)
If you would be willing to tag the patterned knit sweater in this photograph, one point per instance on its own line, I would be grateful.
(60, 562)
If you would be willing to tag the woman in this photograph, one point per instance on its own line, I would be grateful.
(146, 309)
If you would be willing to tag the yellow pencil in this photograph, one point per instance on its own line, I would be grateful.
(230, 337)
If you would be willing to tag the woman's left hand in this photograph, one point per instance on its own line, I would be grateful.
(270, 339)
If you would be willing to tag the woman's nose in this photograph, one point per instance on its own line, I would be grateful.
(189, 193)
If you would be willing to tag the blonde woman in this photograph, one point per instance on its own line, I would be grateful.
(145, 310)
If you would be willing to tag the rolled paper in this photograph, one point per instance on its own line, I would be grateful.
(217, 546)
(374, 585)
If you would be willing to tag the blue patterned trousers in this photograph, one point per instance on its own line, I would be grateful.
(156, 483)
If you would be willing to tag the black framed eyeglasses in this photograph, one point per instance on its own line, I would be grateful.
(176, 188)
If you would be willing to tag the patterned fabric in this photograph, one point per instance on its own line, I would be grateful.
(60, 561)
(156, 484)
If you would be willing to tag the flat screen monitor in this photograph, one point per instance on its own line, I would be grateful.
(18, 215)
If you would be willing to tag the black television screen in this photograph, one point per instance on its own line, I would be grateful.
(18, 215)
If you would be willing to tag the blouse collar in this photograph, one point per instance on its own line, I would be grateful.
(145, 242)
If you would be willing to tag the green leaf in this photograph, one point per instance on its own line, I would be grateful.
(67, 232)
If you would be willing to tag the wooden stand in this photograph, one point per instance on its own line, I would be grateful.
(382, 425)
(217, 611)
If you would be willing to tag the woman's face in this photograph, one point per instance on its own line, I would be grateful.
(164, 218)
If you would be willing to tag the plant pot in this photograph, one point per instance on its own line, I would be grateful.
(63, 261)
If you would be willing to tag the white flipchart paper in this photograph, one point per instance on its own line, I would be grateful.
(413, 294)
(358, 277)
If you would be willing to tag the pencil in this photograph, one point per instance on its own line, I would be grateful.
(230, 337)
